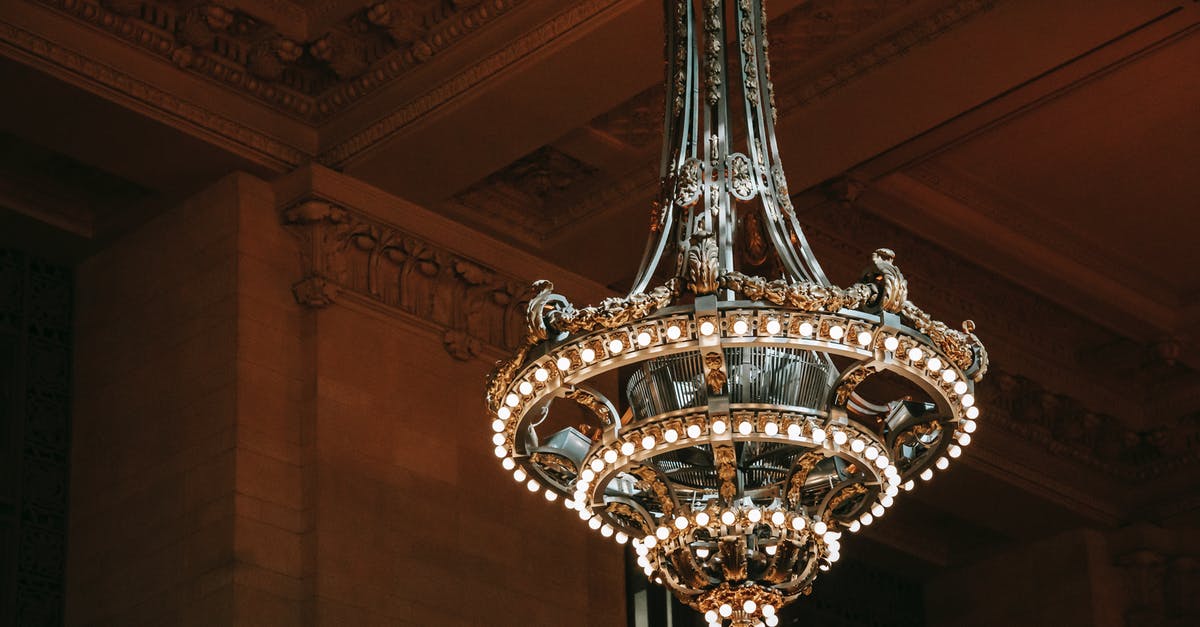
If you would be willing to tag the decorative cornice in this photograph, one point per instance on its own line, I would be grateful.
(548, 32)
(58, 59)
(343, 252)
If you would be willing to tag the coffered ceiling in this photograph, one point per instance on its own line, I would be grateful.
(1032, 164)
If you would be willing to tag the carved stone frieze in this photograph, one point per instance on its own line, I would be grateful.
(345, 252)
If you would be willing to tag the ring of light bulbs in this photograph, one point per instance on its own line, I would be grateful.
(878, 340)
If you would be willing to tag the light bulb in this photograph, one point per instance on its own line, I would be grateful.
(891, 343)
(541, 374)
(504, 413)
(866, 519)
(587, 355)
(954, 450)
(915, 354)
(818, 435)
(840, 437)
(768, 610)
(707, 327)
(773, 326)
(718, 427)
(702, 518)
(960, 388)
(628, 448)
(497, 425)
(525, 387)
(681, 523)
(749, 606)
(771, 428)
(970, 426)
(864, 338)
(967, 400)
(942, 463)
(854, 526)
(500, 452)
(820, 527)
(710, 616)
(836, 332)
(648, 442)
(881, 462)
(793, 431)
(740, 327)
(508, 463)
(754, 515)
(616, 346)
(871, 452)
(972, 412)
(610, 456)
(778, 517)
(673, 332)
(701, 552)
(830, 537)
(644, 338)
(551, 496)
(770, 549)
(887, 501)
(670, 435)
(662, 533)
(597, 465)
(726, 610)
(586, 476)
(693, 431)
(594, 522)
(650, 542)
(728, 517)
(745, 428)
(806, 329)
(949, 375)
(926, 474)
(771, 621)
(892, 491)
(519, 475)
(606, 531)
(910, 484)
(877, 509)
(533, 485)
(512, 400)
(964, 439)
(798, 523)
(858, 445)
(621, 538)
(498, 439)
(934, 364)
(563, 364)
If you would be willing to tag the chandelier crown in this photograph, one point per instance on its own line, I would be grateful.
(730, 434)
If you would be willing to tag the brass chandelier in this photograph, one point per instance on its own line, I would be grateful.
(741, 444)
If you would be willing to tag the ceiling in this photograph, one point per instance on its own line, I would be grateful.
(1032, 164)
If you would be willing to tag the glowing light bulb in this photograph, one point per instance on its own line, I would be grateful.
(854, 526)
(621, 538)
(887, 501)
(662, 533)
(512, 400)
(954, 450)
(504, 413)
(820, 527)
(500, 452)
(498, 426)
(891, 343)
(644, 338)
(771, 549)
(934, 364)
(533, 485)
(866, 519)
(967, 400)
(749, 606)
(525, 387)
(745, 427)
(519, 475)
(702, 518)
(881, 462)
(892, 491)
(508, 463)
(710, 616)
(610, 456)
(970, 426)
(707, 327)
(910, 484)
(701, 552)
(818, 435)
(806, 329)
(949, 375)
(836, 332)
(754, 515)
(773, 326)
(648, 442)
(594, 522)
(616, 346)
(871, 452)
(915, 354)
(926, 474)
(864, 338)
(597, 464)
(681, 523)
(858, 445)
(563, 364)
(587, 475)
(718, 427)
(693, 431)
(840, 437)
(587, 355)
(541, 374)
(673, 332)
(877, 510)
(606, 531)
(551, 496)
(798, 523)
(670, 435)
(498, 439)
(771, 428)
(740, 327)
(771, 621)
(628, 448)
(964, 439)
(726, 610)
(778, 517)
(793, 431)
(768, 610)
(728, 517)
(650, 542)
(972, 412)
(960, 388)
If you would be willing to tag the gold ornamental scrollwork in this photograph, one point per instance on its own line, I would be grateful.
(703, 265)
(650, 482)
(803, 295)
(802, 467)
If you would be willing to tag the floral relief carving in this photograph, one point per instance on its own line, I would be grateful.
(342, 252)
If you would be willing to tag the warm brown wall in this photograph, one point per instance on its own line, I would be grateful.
(242, 459)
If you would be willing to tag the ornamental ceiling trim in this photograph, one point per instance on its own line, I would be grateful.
(98, 77)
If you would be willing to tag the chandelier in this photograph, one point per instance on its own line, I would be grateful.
(726, 424)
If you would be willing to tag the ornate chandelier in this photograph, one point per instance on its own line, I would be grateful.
(742, 443)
